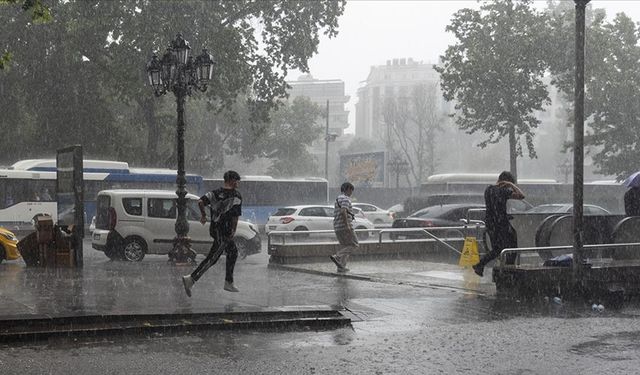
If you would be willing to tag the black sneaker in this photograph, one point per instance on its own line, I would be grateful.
(334, 259)
(188, 282)
(478, 269)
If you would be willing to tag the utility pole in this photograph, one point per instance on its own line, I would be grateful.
(326, 152)
(578, 141)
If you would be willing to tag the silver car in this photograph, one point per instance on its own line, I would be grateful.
(378, 216)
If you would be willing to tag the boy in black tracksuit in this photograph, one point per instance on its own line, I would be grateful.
(226, 207)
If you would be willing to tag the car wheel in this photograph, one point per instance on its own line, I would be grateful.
(3, 254)
(242, 246)
(362, 235)
(134, 249)
(300, 236)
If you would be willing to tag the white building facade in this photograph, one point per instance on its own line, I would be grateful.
(319, 91)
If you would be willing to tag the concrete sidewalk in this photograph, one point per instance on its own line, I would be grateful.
(104, 287)
(106, 297)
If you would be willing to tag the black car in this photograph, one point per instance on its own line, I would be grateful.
(446, 215)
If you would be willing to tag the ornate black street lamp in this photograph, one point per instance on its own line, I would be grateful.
(181, 74)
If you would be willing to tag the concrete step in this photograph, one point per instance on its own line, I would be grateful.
(15, 329)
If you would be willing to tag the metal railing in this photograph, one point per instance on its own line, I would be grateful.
(605, 246)
(381, 232)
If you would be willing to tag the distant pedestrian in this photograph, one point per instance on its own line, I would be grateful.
(632, 201)
(226, 207)
(342, 225)
(501, 234)
(45, 195)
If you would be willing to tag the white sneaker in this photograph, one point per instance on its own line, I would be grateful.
(188, 282)
(229, 287)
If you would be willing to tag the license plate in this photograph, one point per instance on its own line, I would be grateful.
(272, 227)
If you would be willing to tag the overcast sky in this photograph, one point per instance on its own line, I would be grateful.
(372, 32)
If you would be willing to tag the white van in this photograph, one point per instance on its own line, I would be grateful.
(145, 222)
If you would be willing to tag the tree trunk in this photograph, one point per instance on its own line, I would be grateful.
(512, 152)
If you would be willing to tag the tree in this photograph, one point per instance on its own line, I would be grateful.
(413, 122)
(80, 78)
(39, 13)
(50, 92)
(427, 119)
(612, 104)
(292, 129)
(494, 73)
(254, 44)
(611, 73)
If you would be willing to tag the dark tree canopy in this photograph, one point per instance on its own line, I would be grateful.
(494, 72)
(612, 77)
(80, 77)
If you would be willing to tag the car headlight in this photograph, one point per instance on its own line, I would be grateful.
(9, 236)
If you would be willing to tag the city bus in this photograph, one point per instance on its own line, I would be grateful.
(28, 187)
(608, 194)
(474, 184)
(263, 195)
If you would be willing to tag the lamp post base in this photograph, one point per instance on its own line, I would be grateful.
(182, 251)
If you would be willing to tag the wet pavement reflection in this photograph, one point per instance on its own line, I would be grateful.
(407, 316)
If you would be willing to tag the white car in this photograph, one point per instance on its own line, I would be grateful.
(145, 221)
(310, 217)
(567, 208)
(375, 214)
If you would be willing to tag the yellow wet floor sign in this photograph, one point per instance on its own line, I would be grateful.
(469, 256)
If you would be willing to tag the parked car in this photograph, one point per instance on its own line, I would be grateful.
(397, 209)
(375, 214)
(145, 220)
(562, 208)
(415, 203)
(311, 217)
(446, 215)
(8, 245)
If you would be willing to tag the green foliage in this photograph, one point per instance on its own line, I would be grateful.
(80, 78)
(494, 72)
(285, 139)
(40, 12)
(5, 59)
(611, 84)
(612, 98)
(359, 144)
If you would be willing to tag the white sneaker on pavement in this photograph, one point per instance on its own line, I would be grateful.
(336, 261)
(229, 287)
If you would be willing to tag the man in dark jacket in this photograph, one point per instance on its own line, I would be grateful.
(501, 233)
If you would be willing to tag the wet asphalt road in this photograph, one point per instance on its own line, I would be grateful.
(397, 329)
